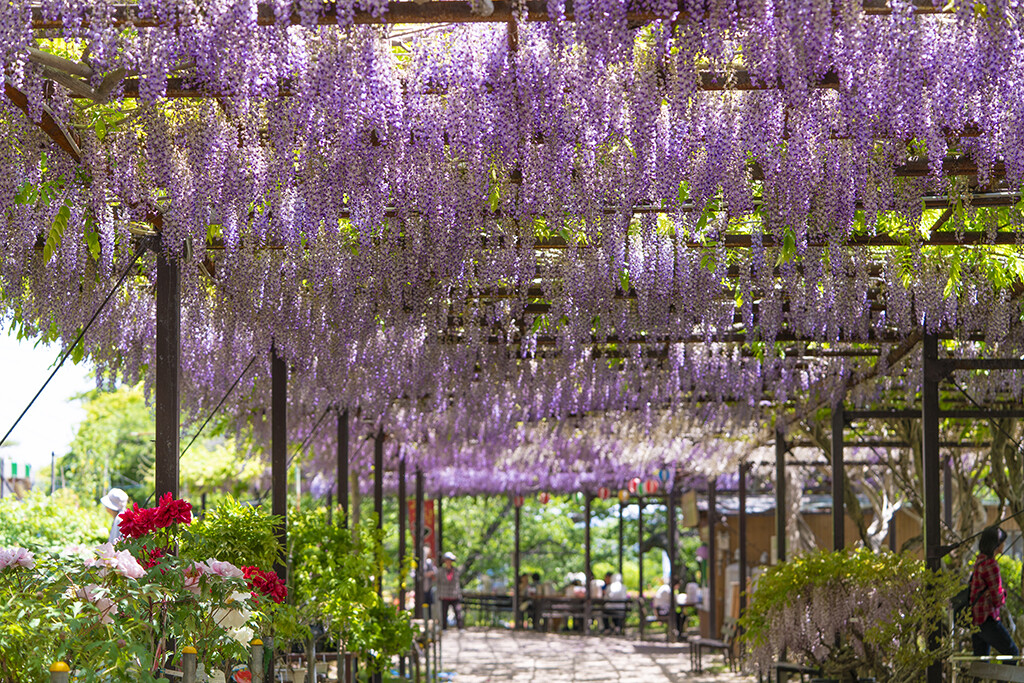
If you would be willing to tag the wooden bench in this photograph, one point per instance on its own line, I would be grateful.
(489, 606)
(547, 610)
(783, 669)
(698, 644)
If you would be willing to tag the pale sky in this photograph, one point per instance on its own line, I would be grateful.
(50, 424)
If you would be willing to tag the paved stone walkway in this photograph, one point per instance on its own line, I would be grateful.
(502, 656)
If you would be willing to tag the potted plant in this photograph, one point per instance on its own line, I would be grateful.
(853, 614)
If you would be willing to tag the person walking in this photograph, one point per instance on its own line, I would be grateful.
(449, 590)
(988, 597)
(116, 502)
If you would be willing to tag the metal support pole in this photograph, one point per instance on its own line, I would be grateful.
(589, 572)
(640, 557)
(780, 495)
(670, 514)
(420, 557)
(517, 598)
(744, 469)
(279, 449)
(712, 559)
(256, 660)
(189, 663)
(931, 468)
(838, 477)
(378, 494)
(343, 474)
(53, 472)
(168, 365)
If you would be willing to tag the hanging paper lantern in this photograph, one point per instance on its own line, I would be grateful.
(517, 501)
(634, 485)
(663, 475)
(543, 497)
(623, 495)
(651, 486)
(603, 493)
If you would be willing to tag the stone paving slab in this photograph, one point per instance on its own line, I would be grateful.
(503, 656)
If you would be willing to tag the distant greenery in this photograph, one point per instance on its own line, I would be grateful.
(113, 445)
(44, 523)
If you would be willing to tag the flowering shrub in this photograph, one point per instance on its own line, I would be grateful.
(850, 612)
(267, 584)
(113, 612)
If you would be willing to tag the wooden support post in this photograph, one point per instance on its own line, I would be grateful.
(279, 449)
(931, 468)
(168, 364)
(947, 493)
(343, 473)
(403, 511)
(378, 495)
(838, 479)
(589, 573)
(420, 555)
(517, 599)
(744, 469)
(712, 559)
(640, 556)
(621, 539)
(780, 495)
(439, 530)
(670, 517)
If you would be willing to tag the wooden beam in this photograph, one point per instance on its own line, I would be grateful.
(48, 124)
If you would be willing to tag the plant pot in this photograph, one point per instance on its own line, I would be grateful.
(298, 676)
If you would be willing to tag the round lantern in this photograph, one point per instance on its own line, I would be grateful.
(650, 486)
(543, 497)
(663, 475)
(634, 485)
(603, 493)
(623, 495)
(517, 501)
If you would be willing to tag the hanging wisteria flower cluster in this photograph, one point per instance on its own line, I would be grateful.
(627, 209)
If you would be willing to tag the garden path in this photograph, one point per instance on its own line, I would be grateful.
(500, 656)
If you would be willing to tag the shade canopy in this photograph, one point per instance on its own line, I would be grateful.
(527, 240)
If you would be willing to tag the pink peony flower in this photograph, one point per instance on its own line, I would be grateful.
(19, 557)
(121, 561)
(105, 605)
(225, 569)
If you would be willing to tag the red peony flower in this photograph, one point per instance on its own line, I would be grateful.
(137, 522)
(264, 583)
(170, 511)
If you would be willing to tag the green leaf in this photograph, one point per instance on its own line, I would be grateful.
(788, 251)
(56, 235)
(92, 239)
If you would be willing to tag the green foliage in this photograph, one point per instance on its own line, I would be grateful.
(113, 445)
(851, 613)
(240, 534)
(44, 523)
(217, 465)
(333, 574)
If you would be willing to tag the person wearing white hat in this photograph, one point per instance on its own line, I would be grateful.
(116, 502)
(449, 590)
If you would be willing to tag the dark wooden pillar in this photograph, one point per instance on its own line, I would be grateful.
(279, 447)
(947, 493)
(931, 467)
(439, 530)
(744, 469)
(378, 494)
(640, 556)
(621, 540)
(780, 495)
(343, 474)
(168, 363)
(587, 603)
(403, 511)
(838, 479)
(670, 515)
(517, 598)
(420, 555)
(712, 559)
